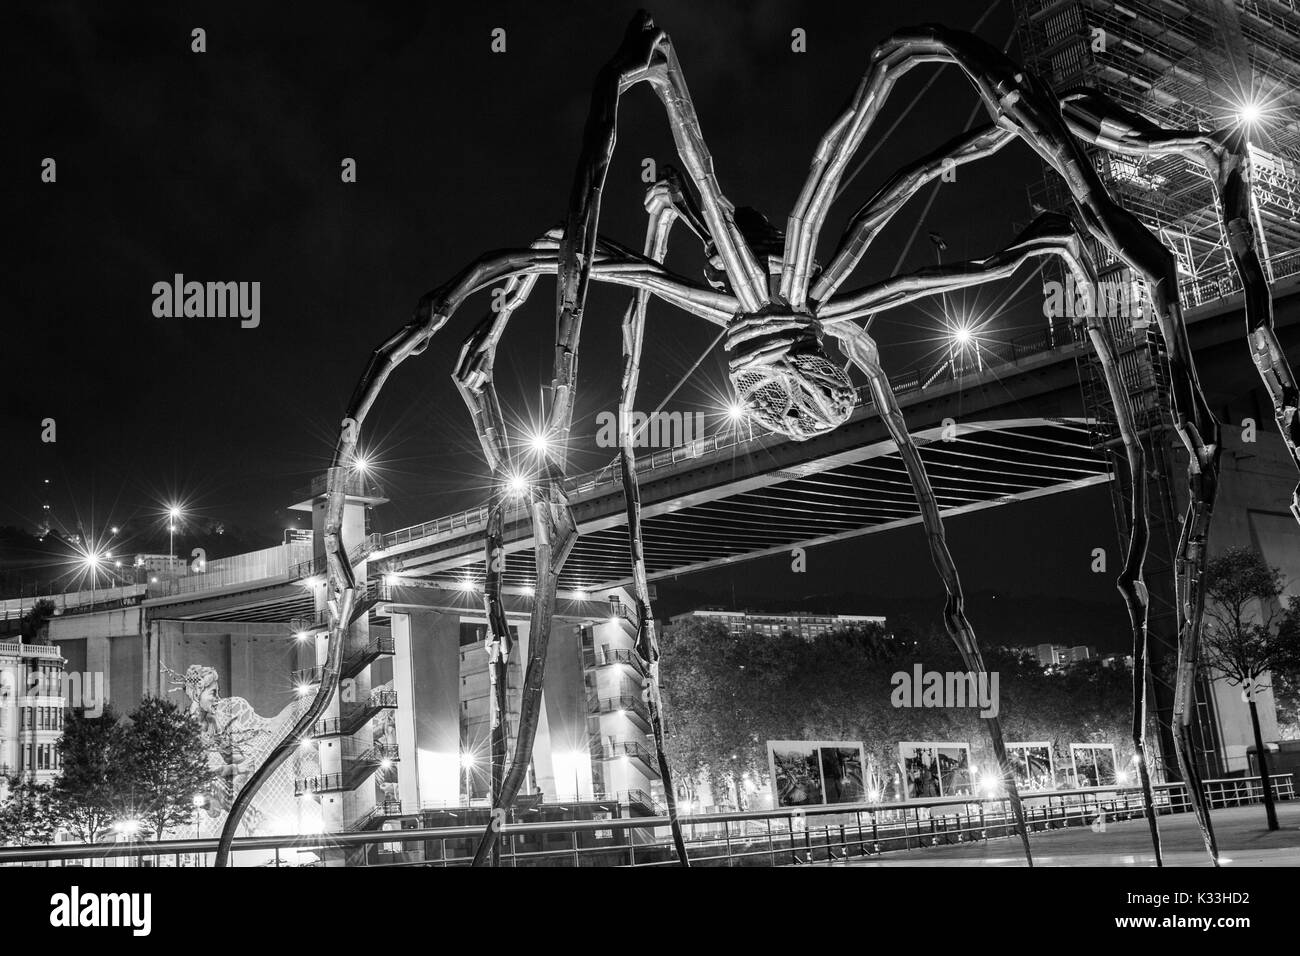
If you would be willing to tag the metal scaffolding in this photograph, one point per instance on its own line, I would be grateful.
(1190, 64)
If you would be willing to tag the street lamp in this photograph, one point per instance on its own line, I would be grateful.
(174, 513)
(198, 802)
(467, 762)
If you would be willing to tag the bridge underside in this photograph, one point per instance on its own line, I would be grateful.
(991, 464)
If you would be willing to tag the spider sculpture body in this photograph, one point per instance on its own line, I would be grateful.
(776, 305)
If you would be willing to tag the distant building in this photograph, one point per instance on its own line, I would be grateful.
(1060, 655)
(804, 624)
(31, 710)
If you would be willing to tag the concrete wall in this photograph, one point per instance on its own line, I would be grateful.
(106, 642)
(1256, 480)
(252, 660)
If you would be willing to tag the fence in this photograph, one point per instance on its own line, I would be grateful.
(757, 838)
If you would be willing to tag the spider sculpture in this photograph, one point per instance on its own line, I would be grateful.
(776, 304)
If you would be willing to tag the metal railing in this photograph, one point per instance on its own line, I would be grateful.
(620, 655)
(369, 652)
(995, 355)
(353, 715)
(830, 834)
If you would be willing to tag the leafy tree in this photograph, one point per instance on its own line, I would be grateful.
(34, 621)
(167, 762)
(26, 813)
(1242, 641)
(89, 793)
(727, 695)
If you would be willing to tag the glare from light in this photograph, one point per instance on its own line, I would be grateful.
(518, 485)
(300, 636)
(307, 744)
(385, 764)
(174, 512)
(361, 463)
(467, 585)
(1121, 778)
(127, 827)
(962, 336)
(467, 760)
(735, 412)
(529, 590)
(581, 596)
(303, 690)
(113, 529)
(1250, 113)
(540, 442)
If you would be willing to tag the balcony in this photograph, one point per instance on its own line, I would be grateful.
(631, 750)
(374, 818)
(364, 656)
(357, 768)
(353, 716)
(608, 656)
(633, 708)
(355, 485)
(640, 800)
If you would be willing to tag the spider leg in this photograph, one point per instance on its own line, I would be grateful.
(611, 264)
(861, 349)
(647, 55)
(876, 213)
(1019, 101)
(1042, 237)
(663, 213)
(1052, 234)
(1225, 156)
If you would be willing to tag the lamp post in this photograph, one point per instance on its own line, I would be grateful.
(198, 802)
(174, 514)
(466, 762)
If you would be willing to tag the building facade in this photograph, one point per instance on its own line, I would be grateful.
(31, 710)
(1204, 64)
(802, 624)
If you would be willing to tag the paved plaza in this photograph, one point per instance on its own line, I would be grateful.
(1243, 835)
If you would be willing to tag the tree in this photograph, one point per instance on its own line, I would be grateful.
(727, 695)
(34, 621)
(167, 762)
(1241, 641)
(89, 793)
(26, 813)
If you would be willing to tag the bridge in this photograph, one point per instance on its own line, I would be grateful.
(1010, 427)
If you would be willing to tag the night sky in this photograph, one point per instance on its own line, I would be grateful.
(225, 166)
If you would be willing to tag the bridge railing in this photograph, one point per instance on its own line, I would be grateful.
(989, 354)
(829, 834)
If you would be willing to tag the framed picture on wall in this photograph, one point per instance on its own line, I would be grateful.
(935, 769)
(1032, 764)
(1093, 765)
(816, 773)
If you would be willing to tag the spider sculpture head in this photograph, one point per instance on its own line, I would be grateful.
(782, 376)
